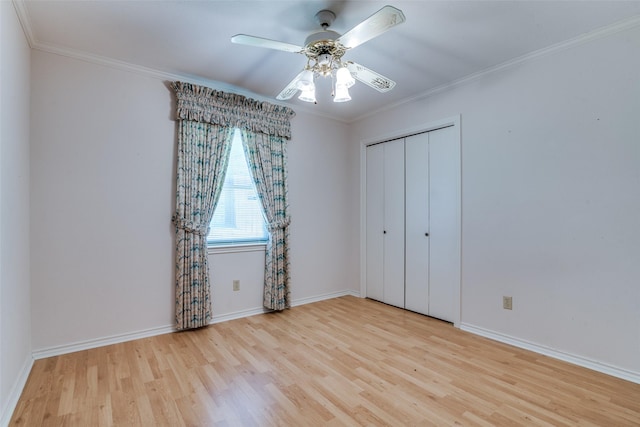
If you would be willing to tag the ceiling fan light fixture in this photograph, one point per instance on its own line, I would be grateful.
(342, 94)
(308, 95)
(344, 78)
(324, 50)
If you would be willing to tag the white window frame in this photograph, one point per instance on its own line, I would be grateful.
(233, 246)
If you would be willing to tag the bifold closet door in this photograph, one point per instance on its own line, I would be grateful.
(417, 223)
(444, 222)
(385, 222)
(413, 222)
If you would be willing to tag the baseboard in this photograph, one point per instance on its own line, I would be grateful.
(238, 315)
(130, 336)
(331, 295)
(100, 342)
(16, 391)
(556, 354)
(300, 301)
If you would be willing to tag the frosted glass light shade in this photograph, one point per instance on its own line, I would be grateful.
(306, 81)
(344, 78)
(342, 94)
(308, 95)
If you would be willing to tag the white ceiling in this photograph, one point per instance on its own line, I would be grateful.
(440, 42)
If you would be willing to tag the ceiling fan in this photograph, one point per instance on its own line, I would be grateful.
(324, 51)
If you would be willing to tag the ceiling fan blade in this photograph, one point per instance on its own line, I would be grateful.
(261, 42)
(291, 89)
(370, 78)
(373, 26)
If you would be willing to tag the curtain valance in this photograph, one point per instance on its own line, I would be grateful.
(203, 104)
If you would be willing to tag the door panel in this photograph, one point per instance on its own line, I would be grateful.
(394, 223)
(444, 216)
(374, 222)
(417, 223)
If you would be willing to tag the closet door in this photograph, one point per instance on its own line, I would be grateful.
(444, 222)
(417, 223)
(393, 231)
(375, 222)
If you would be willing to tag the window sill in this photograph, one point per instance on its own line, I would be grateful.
(236, 247)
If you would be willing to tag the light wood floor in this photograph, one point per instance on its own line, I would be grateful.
(342, 362)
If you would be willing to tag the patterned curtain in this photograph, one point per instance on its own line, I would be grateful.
(206, 121)
(267, 158)
(203, 154)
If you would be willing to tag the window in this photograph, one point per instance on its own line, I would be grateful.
(238, 217)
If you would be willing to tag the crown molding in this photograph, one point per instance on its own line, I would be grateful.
(164, 75)
(623, 25)
(34, 43)
(23, 17)
(139, 69)
(25, 21)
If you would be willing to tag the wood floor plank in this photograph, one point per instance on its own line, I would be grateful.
(342, 362)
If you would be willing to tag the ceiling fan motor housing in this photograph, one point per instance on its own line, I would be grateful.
(321, 36)
(322, 44)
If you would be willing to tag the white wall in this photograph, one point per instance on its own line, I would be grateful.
(551, 197)
(103, 155)
(15, 322)
(322, 259)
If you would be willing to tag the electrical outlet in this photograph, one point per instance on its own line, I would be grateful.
(236, 285)
(507, 303)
